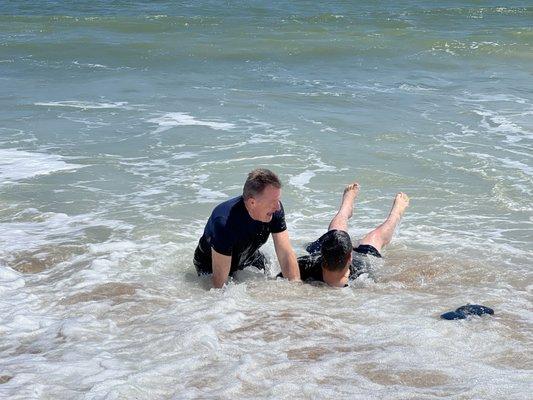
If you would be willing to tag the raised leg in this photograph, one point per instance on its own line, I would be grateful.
(382, 235)
(340, 221)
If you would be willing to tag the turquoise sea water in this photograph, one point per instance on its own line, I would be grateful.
(122, 124)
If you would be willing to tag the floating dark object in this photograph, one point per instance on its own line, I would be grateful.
(465, 311)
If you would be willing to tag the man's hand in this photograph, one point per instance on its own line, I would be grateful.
(221, 268)
(286, 257)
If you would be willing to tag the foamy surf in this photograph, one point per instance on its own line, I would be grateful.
(174, 119)
(84, 105)
(16, 165)
(302, 179)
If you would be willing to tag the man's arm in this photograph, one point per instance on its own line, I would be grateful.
(221, 268)
(286, 257)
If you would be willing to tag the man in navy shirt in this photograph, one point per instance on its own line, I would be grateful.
(238, 227)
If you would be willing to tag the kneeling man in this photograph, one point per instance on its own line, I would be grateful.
(333, 259)
(238, 227)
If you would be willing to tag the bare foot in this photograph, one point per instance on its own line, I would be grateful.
(401, 202)
(348, 197)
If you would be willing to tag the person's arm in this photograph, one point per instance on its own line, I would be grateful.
(221, 268)
(286, 257)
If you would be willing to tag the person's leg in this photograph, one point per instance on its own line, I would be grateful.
(382, 235)
(340, 221)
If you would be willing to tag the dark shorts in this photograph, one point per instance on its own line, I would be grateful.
(363, 258)
(205, 267)
(367, 249)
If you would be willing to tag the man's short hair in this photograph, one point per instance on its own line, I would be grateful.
(336, 249)
(258, 180)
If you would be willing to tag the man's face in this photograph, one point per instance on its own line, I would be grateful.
(265, 204)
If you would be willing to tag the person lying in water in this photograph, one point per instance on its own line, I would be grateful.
(333, 259)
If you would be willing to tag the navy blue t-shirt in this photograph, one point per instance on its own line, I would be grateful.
(311, 265)
(232, 232)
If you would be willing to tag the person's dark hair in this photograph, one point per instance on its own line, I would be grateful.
(336, 249)
(258, 180)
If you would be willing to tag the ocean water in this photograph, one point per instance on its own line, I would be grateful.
(122, 124)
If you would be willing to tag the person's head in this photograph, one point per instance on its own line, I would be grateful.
(261, 194)
(336, 250)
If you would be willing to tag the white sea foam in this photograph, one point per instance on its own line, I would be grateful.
(48, 228)
(502, 124)
(495, 97)
(408, 87)
(206, 195)
(174, 119)
(17, 164)
(323, 167)
(150, 192)
(258, 330)
(184, 155)
(91, 65)
(506, 163)
(302, 179)
(10, 279)
(85, 105)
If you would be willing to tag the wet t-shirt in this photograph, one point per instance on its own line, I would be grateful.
(311, 265)
(232, 232)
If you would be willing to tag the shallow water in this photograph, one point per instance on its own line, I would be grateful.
(123, 125)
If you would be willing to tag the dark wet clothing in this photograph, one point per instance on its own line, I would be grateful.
(232, 232)
(311, 265)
